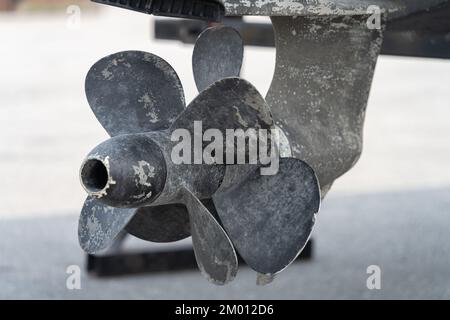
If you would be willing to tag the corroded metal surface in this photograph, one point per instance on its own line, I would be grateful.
(130, 171)
(217, 54)
(214, 11)
(320, 88)
(100, 224)
(231, 103)
(323, 73)
(393, 9)
(319, 92)
(135, 185)
(213, 249)
(124, 92)
(269, 218)
(160, 224)
(318, 97)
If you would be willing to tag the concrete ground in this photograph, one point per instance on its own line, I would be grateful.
(391, 210)
(408, 240)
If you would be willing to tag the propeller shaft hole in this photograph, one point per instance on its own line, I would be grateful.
(94, 175)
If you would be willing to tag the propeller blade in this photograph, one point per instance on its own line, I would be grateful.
(213, 249)
(229, 103)
(269, 218)
(100, 224)
(166, 223)
(218, 54)
(134, 92)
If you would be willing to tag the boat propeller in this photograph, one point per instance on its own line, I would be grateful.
(150, 180)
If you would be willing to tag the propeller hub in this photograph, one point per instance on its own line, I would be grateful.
(94, 175)
(124, 171)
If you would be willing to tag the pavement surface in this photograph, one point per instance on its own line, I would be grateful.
(410, 245)
(392, 210)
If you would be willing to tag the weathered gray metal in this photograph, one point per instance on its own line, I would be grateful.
(214, 10)
(269, 218)
(99, 224)
(130, 176)
(420, 34)
(326, 56)
(319, 92)
(217, 54)
(124, 92)
(160, 224)
(322, 113)
(213, 249)
(391, 8)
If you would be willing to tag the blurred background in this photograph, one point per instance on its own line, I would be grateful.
(391, 210)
